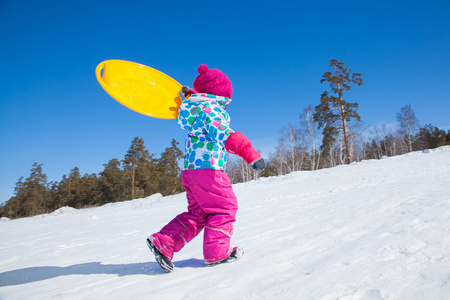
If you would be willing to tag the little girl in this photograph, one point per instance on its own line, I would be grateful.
(212, 204)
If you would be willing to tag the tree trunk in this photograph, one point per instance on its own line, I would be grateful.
(132, 180)
(344, 128)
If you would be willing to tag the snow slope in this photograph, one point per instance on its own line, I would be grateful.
(370, 230)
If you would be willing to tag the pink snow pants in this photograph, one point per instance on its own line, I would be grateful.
(212, 205)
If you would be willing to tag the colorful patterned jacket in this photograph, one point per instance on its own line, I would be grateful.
(204, 118)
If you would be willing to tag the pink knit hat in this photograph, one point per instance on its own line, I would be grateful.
(212, 81)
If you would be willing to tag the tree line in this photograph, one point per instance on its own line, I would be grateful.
(331, 133)
(328, 134)
(138, 174)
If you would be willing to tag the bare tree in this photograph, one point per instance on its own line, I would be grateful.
(238, 170)
(309, 135)
(355, 137)
(289, 150)
(408, 123)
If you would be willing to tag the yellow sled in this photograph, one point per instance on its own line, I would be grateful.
(140, 88)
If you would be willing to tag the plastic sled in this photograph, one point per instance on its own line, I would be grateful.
(140, 88)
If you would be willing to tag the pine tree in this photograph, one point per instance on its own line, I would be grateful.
(334, 113)
(137, 164)
(148, 176)
(13, 208)
(430, 137)
(67, 186)
(169, 169)
(112, 182)
(86, 191)
(54, 204)
(31, 196)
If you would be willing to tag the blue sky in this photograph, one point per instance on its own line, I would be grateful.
(54, 112)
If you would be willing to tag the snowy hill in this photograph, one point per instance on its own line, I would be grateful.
(370, 230)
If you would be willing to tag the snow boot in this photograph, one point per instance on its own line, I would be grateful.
(235, 255)
(162, 260)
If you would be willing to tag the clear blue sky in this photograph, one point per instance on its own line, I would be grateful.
(54, 112)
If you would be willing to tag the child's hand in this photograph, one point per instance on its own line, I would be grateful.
(185, 91)
(258, 165)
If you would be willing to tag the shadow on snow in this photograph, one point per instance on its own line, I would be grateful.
(35, 274)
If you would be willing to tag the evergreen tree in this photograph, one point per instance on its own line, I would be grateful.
(13, 208)
(138, 165)
(112, 182)
(148, 176)
(37, 190)
(55, 200)
(86, 191)
(169, 170)
(31, 196)
(60, 192)
(334, 113)
(430, 137)
(66, 188)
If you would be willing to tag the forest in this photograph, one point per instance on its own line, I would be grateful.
(137, 175)
(326, 135)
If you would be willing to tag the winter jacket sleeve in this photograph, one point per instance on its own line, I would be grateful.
(238, 144)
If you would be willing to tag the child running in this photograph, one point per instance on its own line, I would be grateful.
(212, 204)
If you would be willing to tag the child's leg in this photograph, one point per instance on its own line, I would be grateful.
(182, 229)
(217, 237)
(215, 196)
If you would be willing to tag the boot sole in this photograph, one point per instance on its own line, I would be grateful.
(234, 256)
(162, 261)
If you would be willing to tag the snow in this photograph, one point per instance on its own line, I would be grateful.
(377, 229)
